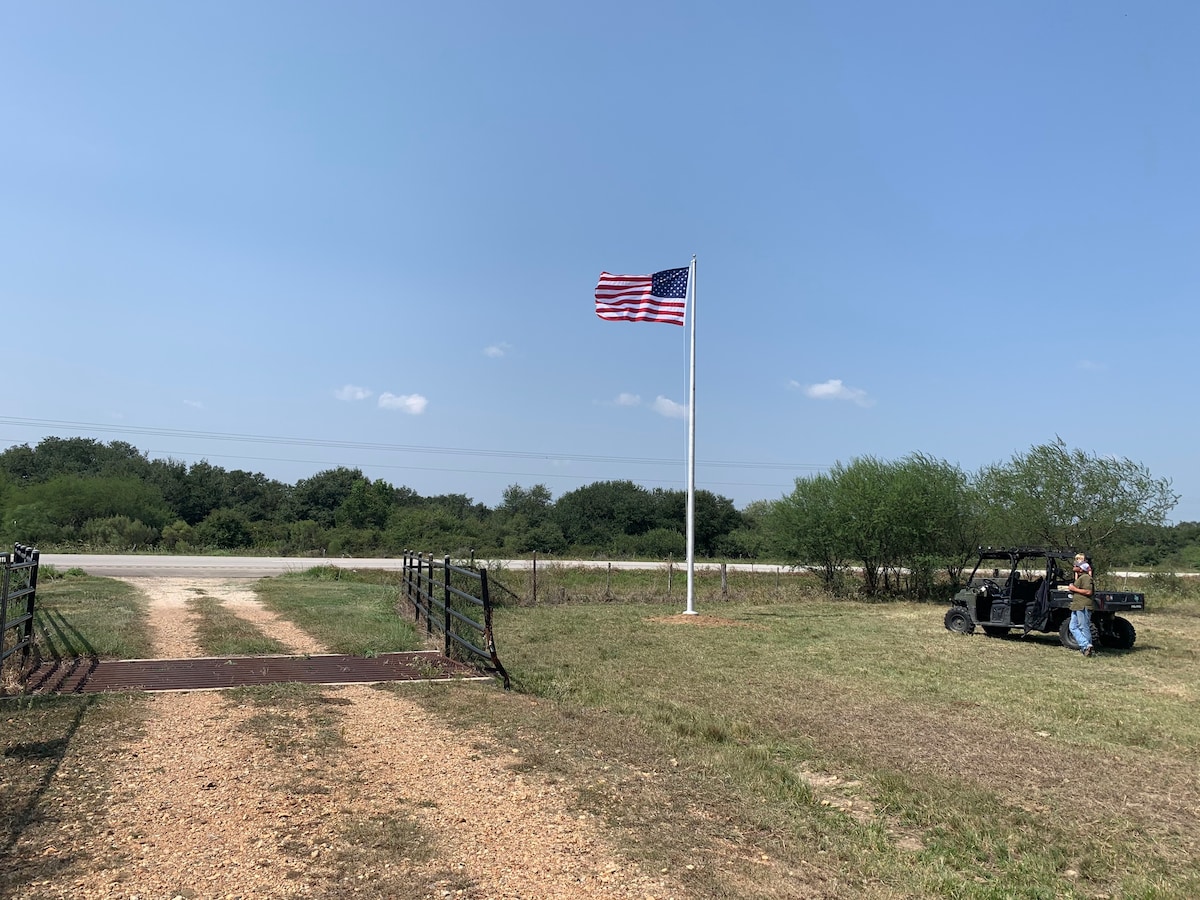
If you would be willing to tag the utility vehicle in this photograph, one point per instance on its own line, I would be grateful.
(1026, 588)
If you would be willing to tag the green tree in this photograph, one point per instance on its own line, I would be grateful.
(1070, 499)
(750, 540)
(805, 528)
(70, 500)
(118, 533)
(225, 529)
(368, 504)
(177, 535)
(201, 492)
(78, 456)
(593, 516)
(535, 503)
(716, 517)
(934, 518)
(318, 498)
(522, 522)
(894, 518)
(254, 495)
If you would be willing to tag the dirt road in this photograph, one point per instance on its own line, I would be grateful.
(345, 791)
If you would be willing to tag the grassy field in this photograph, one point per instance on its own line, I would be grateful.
(862, 745)
(80, 615)
(785, 745)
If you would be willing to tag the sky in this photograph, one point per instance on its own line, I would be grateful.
(289, 236)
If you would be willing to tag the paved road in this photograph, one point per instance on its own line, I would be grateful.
(115, 565)
(119, 566)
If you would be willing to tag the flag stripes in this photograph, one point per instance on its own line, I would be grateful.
(660, 297)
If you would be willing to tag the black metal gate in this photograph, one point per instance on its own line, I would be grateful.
(454, 602)
(18, 590)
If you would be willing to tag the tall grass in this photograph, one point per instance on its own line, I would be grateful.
(347, 611)
(866, 740)
(87, 616)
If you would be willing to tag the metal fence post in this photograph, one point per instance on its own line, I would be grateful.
(29, 604)
(4, 605)
(427, 599)
(446, 609)
(488, 640)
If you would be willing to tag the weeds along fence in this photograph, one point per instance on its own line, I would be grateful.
(453, 602)
(546, 581)
(18, 590)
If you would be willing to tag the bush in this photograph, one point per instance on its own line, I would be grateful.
(1166, 590)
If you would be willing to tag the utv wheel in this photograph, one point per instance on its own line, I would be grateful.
(1064, 635)
(996, 631)
(1121, 634)
(958, 621)
(1068, 639)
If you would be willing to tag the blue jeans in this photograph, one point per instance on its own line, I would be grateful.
(1081, 627)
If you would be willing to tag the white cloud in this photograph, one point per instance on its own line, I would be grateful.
(413, 404)
(669, 408)
(352, 392)
(1088, 366)
(833, 389)
(196, 404)
(495, 351)
(624, 399)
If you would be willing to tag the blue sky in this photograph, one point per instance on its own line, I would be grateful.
(286, 236)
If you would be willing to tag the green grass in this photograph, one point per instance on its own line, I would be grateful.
(347, 611)
(86, 616)
(220, 632)
(863, 739)
(781, 744)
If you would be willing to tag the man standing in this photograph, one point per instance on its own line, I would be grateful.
(1082, 591)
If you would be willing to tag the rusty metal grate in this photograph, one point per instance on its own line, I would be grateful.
(91, 676)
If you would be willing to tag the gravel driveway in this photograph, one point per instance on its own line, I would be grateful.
(221, 799)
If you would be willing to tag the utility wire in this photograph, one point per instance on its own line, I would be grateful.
(390, 448)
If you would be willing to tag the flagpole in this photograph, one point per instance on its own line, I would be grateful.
(691, 458)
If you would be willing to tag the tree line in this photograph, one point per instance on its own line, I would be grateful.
(907, 524)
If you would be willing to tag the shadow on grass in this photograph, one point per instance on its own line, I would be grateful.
(17, 817)
(71, 642)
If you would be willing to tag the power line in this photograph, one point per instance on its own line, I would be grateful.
(388, 448)
(531, 475)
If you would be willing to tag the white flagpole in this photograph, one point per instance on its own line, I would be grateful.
(691, 459)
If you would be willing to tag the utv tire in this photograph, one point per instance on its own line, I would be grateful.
(1121, 634)
(1064, 635)
(996, 631)
(1068, 639)
(959, 621)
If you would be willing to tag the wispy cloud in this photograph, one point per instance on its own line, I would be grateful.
(495, 351)
(834, 389)
(195, 404)
(669, 408)
(1088, 366)
(352, 392)
(624, 399)
(413, 404)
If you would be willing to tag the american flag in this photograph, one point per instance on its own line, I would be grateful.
(643, 298)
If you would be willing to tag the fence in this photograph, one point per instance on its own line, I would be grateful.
(18, 588)
(453, 601)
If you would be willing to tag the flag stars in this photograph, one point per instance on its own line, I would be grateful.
(670, 283)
